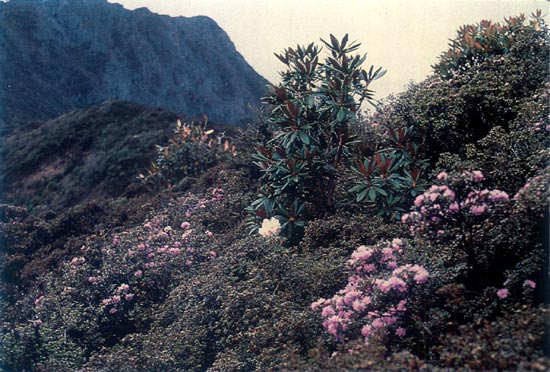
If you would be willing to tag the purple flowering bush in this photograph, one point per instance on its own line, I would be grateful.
(458, 265)
(440, 207)
(376, 301)
(109, 289)
(481, 246)
(248, 309)
(468, 226)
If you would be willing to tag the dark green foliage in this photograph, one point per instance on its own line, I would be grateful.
(312, 111)
(354, 356)
(450, 111)
(315, 110)
(344, 231)
(477, 43)
(510, 157)
(21, 237)
(392, 177)
(510, 342)
(32, 247)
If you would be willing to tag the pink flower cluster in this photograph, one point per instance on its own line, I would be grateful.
(151, 253)
(38, 301)
(111, 300)
(436, 204)
(121, 293)
(474, 176)
(503, 293)
(478, 202)
(217, 196)
(376, 296)
(529, 284)
(441, 204)
(78, 261)
(165, 245)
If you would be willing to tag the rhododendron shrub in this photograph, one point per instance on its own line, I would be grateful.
(534, 193)
(147, 256)
(312, 110)
(459, 209)
(459, 264)
(108, 290)
(379, 298)
(189, 152)
(512, 342)
(441, 206)
(390, 177)
(462, 101)
(482, 238)
(249, 309)
(509, 157)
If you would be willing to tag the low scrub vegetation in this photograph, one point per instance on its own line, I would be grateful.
(414, 237)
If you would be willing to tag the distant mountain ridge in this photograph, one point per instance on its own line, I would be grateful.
(59, 55)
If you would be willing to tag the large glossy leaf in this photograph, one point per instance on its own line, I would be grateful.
(372, 194)
(361, 196)
(341, 116)
(304, 137)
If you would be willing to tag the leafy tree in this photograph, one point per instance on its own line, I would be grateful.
(393, 176)
(313, 108)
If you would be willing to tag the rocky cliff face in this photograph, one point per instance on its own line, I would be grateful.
(57, 55)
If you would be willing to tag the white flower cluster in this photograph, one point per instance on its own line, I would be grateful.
(270, 227)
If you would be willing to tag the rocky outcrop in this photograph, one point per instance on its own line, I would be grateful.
(58, 55)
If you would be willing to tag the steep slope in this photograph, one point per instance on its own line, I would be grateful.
(58, 55)
(88, 153)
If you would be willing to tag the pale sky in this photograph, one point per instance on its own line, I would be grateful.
(403, 36)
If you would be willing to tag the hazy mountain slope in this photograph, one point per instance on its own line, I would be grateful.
(58, 55)
(87, 153)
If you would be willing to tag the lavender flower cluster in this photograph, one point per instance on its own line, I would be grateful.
(377, 295)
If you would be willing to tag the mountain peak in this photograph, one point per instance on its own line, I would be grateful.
(58, 56)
